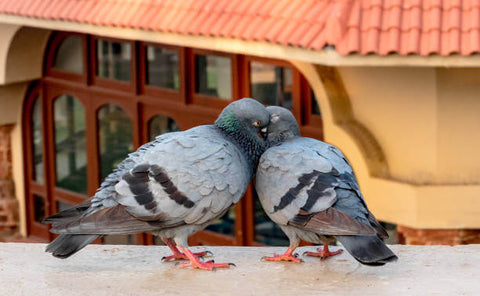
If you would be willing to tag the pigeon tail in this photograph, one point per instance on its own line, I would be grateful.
(66, 245)
(368, 250)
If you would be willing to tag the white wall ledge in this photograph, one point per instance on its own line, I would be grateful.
(25, 269)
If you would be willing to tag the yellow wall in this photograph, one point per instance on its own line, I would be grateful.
(459, 122)
(398, 105)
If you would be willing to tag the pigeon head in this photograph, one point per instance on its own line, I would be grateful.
(283, 125)
(244, 115)
(242, 121)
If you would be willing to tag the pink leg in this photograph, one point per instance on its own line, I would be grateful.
(196, 263)
(287, 256)
(177, 255)
(324, 253)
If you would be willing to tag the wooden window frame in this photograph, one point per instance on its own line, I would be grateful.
(52, 50)
(34, 228)
(205, 100)
(156, 91)
(101, 82)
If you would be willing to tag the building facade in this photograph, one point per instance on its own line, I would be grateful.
(84, 83)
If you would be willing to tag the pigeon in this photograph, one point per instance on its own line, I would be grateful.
(173, 186)
(309, 189)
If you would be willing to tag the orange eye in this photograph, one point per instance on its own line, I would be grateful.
(258, 123)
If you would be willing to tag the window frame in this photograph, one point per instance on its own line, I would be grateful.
(154, 91)
(33, 188)
(102, 82)
(205, 100)
(54, 42)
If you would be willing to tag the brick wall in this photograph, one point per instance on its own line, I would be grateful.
(9, 221)
(412, 236)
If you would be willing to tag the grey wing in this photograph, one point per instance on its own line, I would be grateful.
(350, 199)
(190, 180)
(106, 194)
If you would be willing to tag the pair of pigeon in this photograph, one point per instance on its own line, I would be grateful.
(177, 184)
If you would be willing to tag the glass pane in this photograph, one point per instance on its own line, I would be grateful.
(37, 140)
(113, 60)
(130, 239)
(38, 208)
(161, 124)
(224, 225)
(115, 137)
(270, 84)
(70, 144)
(266, 231)
(213, 76)
(315, 107)
(162, 67)
(69, 56)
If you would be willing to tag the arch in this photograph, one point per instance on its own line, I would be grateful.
(26, 44)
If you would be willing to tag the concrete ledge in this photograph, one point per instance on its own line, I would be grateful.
(25, 269)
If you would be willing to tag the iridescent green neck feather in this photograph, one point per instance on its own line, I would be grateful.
(245, 139)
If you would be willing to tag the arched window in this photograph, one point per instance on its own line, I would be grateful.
(68, 57)
(70, 144)
(114, 137)
(161, 124)
(101, 98)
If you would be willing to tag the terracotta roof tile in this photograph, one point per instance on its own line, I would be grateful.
(382, 27)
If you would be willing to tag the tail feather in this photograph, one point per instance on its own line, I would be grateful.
(66, 245)
(368, 250)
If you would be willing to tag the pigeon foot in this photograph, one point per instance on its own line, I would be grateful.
(209, 265)
(323, 253)
(196, 263)
(180, 256)
(288, 256)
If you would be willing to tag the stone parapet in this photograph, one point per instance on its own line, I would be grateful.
(25, 269)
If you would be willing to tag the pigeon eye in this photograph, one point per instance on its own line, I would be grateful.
(257, 123)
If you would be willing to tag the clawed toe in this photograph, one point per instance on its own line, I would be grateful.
(323, 253)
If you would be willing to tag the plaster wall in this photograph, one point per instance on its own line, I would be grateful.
(459, 122)
(399, 106)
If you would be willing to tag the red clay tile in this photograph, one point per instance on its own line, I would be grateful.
(372, 18)
(471, 42)
(351, 42)
(148, 21)
(310, 35)
(412, 18)
(432, 19)
(410, 42)
(390, 41)
(267, 7)
(369, 41)
(391, 18)
(450, 42)
(363, 26)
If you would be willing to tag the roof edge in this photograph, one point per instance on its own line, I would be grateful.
(327, 56)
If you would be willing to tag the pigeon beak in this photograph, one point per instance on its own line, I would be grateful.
(264, 133)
